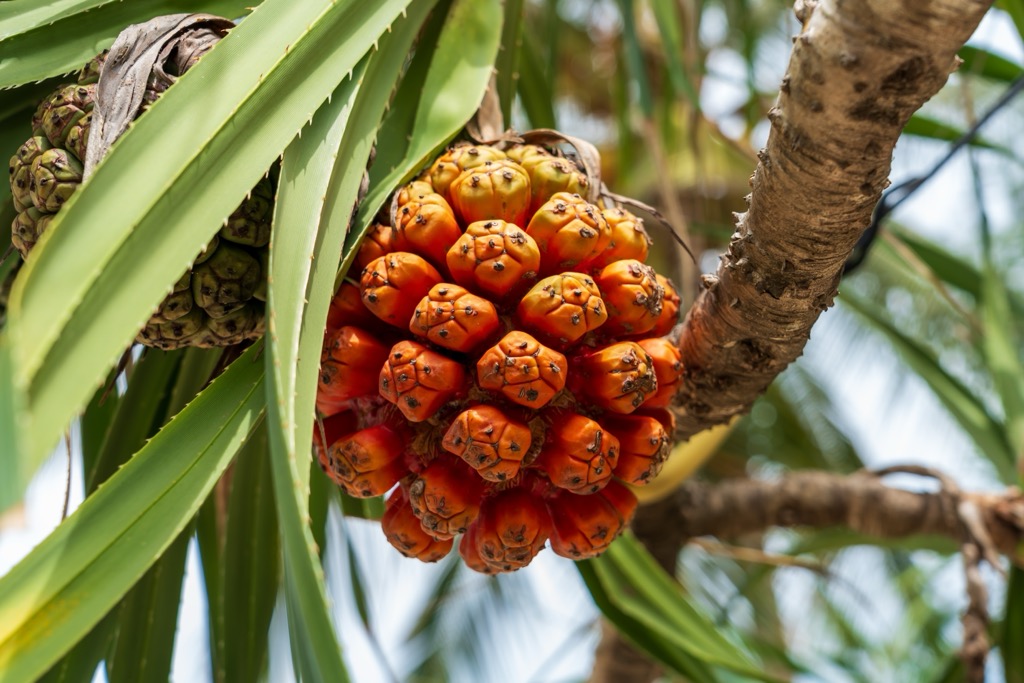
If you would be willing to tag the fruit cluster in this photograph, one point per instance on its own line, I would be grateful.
(219, 301)
(499, 352)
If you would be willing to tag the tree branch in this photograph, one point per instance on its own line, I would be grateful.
(981, 524)
(861, 502)
(858, 71)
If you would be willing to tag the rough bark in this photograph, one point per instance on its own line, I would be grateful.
(858, 71)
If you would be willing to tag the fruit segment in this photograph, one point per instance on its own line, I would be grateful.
(349, 368)
(347, 309)
(414, 189)
(578, 454)
(419, 381)
(28, 227)
(670, 304)
(178, 303)
(550, 175)
(494, 258)
(66, 108)
(379, 241)
(632, 295)
(451, 317)
(249, 224)
(495, 189)
(403, 530)
(584, 526)
(511, 529)
(488, 441)
(55, 175)
(230, 328)
(426, 225)
(457, 159)
(643, 447)
(392, 285)
(668, 368)
(77, 139)
(522, 369)
(563, 307)
(21, 171)
(446, 497)
(618, 377)
(628, 240)
(523, 153)
(226, 280)
(469, 550)
(366, 463)
(330, 429)
(569, 231)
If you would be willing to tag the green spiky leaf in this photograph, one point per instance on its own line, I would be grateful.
(251, 572)
(965, 407)
(640, 589)
(460, 69)
(97, 554)
(321, 172)
(111, 254)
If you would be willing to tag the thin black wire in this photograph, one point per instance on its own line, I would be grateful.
(901, 192)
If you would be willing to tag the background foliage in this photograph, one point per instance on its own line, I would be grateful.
(675, 94)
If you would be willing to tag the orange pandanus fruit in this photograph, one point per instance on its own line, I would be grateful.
(563, 307)
(446, 497)
(584, 526)
(569, 231)
(511, 529)
(495, 358)
(578, 455)
(523, 370)
(403, 530)
(367, 462)
(495, 189)
(643, 446)
(494, 257)
(451, 317)
(489, 441)
(425, 224)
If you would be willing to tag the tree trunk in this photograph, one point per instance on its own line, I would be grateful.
(858, 71)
